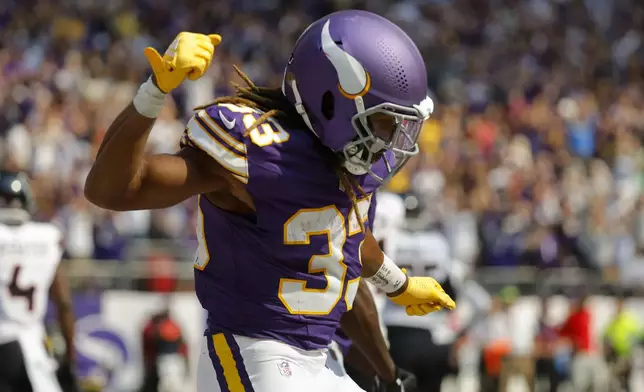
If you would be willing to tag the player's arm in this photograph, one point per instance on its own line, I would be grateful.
(369, 352)
(361, 325)
(419, 295)
(358, 361)
(123, 177)
(59, 293)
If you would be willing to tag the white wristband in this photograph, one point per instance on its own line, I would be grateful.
(389, 277)
(149, 100)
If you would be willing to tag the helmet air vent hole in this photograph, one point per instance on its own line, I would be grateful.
(328, 105)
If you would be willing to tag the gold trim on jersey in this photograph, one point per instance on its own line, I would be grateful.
(214, 127)
(229, 158)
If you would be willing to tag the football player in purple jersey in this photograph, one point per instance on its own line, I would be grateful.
(285, 179)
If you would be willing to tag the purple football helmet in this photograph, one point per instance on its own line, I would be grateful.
(346, 68)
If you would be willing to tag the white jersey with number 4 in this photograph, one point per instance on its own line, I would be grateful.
(429, 254)
(421, 254)
(29, 256)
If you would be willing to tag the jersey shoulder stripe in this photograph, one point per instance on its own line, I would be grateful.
(231, 137)
(226, 146)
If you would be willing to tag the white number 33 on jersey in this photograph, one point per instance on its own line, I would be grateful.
(329, 221)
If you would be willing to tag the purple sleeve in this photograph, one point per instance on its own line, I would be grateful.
(219, 132)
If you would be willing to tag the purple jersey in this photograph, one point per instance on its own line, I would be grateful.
(289, 271)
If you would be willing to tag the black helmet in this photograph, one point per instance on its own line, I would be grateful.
(16, 202)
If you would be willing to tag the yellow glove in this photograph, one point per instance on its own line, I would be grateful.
(188, 56)
(423, 295)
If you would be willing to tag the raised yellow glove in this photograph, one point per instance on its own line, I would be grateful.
(188, 56)
(423, 295)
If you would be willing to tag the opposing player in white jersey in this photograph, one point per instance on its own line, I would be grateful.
(30, 255)
(425, 345)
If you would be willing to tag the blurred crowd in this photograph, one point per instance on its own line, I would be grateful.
(533, 156)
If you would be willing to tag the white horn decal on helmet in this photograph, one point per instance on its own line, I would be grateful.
(353, 78)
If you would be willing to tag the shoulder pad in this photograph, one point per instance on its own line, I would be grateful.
(49, 232)
(220, 132)
(390, 214)
(262, 135)
(46, 230)
(392, 207)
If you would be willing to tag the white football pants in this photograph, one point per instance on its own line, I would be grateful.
(232, 363)
(41, 368)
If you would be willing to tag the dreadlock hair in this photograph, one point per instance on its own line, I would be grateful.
(273, 104)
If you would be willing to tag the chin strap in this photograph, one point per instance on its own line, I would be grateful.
(299, 107)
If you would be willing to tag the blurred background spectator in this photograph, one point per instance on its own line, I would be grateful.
(587, 368)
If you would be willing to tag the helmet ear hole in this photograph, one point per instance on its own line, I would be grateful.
(328, 105)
